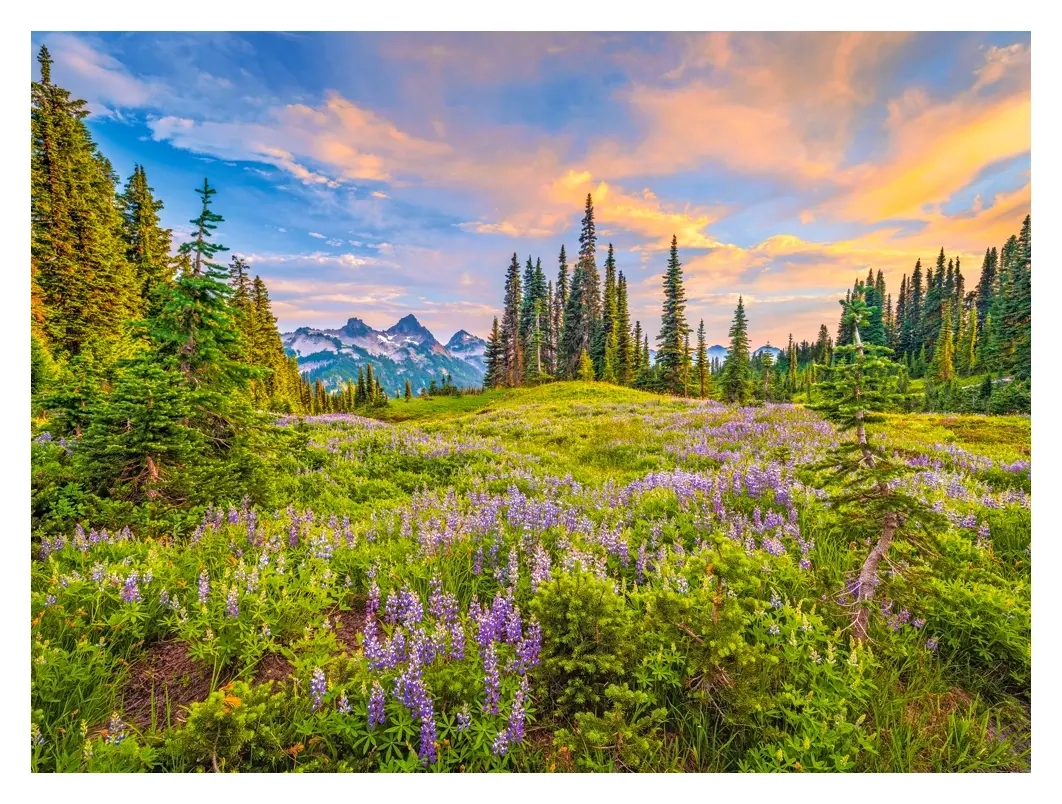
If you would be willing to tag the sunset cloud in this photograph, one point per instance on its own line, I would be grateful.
(785, 164)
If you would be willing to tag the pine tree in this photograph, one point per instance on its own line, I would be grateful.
(704, 376)
(967, 358)
(986, 285)
(511, 337)
(791, 366)
(147, 243)
(636, 352)
(586, 367)
(861, 383)
(582, 313)
(85, 286)
(737, 371)
(494, 359)
(606, 340)
(560, 301)
(944, 354)
(671, 356)
(625, 372)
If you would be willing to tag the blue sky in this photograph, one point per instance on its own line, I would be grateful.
(374, 175)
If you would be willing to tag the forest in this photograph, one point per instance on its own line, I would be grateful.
(598, 562)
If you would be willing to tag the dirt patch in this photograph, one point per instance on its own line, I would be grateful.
(347, 626)
(273, 667)
(165, 681)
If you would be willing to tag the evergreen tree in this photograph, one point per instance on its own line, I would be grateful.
(671, 356)
(704, 376)
(860, 383)
(636, 352)
(944, 354)
(986, 286)
(560, 301)
(582, 313)
(494, 358)
(511, 337)
(409, 386)
(626, 370)
(586, 367)
(791, 366)
(606, 339)
(147, 243)
(84, 284)
(737, 371)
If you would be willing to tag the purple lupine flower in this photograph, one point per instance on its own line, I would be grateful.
(343, 705)
(931, 644)
(464, 718)
(491, 682)
(130, 591)
(805, 564)
(99, 573)
(232, 605)
(776, 601)
(529, 647)
(774, 629)
(501, 743)
(204, 586)
(372, 603)
(513, 571)
(517, 713)
(318, 686)
(115, 730)
(377, 716)
(918, 623)
(426, 751)
(477, 561)
(50, 600)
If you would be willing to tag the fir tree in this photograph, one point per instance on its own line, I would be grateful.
(636, 352)
(84, 284)
(586, 367)
(147, 243)
(986, 285)
(494, 359)
(671, 356)
(626, 370)
(736, 376)
(944, 354)
(704, 376)
(511, 337)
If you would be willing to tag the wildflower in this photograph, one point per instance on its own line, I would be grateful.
(774, 629)
(918, 622)
(36, 738)
(464, 718)
(130, 591)
(50, 600)
(377, 715)
(931, 644)
(491, 682)
(115, 730)
(344, 705)
(204, 587)
(776, 602)
(318, 685)
(232, 606)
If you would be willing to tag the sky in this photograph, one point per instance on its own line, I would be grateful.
(376, 175)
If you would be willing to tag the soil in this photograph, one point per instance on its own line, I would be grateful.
(166, 680)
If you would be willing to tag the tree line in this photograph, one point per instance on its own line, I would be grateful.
(579, 328)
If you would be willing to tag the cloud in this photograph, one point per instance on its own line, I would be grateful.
(91, 73)
(378, 194)
(318, 235)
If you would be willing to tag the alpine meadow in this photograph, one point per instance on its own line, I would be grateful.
(283, 521)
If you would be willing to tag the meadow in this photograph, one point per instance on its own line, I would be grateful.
(573, 577)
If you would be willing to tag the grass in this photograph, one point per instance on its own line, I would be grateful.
(744, 649)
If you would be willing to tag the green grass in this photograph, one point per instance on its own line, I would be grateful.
(761, 676)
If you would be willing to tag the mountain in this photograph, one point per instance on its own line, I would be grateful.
(774, 350)
(717, 351)
(469, 348)
(407, 350)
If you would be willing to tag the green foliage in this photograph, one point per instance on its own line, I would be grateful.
(627, 737)
(586, 641)
(736, 380)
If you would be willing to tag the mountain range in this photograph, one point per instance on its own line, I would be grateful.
(721, 351)
(407, 350)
